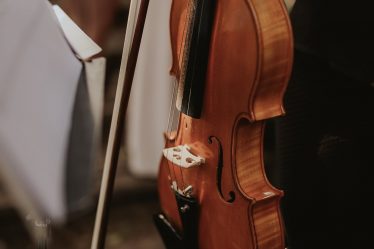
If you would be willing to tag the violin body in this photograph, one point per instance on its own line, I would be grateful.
(226, 201)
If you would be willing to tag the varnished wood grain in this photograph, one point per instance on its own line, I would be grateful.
(276, 40)
(249, 65)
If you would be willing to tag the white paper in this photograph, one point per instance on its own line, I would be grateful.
(95, 75)
(81, 43)
(38, 80)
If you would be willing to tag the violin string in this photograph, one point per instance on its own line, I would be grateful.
(171, 118)
(184, 54)
(187, 44)
(167, 134)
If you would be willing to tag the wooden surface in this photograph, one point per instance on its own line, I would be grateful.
(249, 66)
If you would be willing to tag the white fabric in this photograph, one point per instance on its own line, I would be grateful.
(150, 96)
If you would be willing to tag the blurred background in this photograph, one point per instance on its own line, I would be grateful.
(135, 197)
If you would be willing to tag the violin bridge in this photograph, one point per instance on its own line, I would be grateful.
(182, 157)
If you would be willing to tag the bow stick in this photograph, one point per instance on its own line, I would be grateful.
(126, 75)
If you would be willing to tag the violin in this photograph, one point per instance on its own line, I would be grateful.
(231, 62)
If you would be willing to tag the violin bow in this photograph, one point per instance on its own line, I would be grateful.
(125, 79)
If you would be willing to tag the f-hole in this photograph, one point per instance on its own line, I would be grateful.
(231, 197)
